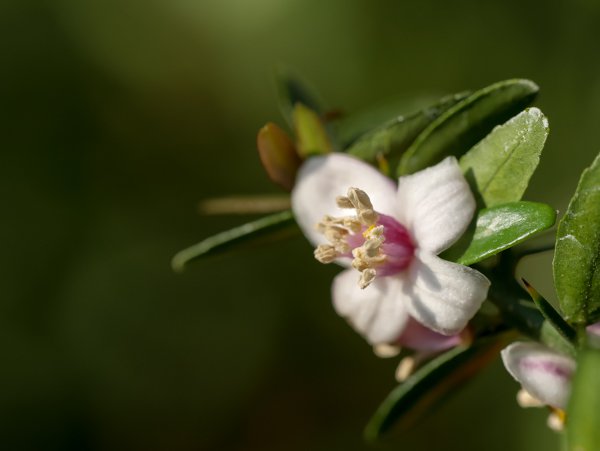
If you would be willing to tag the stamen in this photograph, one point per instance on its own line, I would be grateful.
(526, 399)
(367, 217)
(335, 233)
(344, 202)
(326, 253)
(556, 420)
(361, 202)
(386, 351)
(359, 199)
(366, 277)
(405, 368)
(367, 251)
(353, 224)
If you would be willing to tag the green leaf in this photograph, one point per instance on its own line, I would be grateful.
(430, 384)
(391, 139)
(583, 433)
(499, 228)
(499, 167)
(551, 315)
(577, 256)
(467, 122)
(291, 89)
(235, 237)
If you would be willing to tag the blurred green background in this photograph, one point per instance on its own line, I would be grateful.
(119, 115)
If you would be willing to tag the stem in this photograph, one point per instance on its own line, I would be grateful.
(515, 305)
(512, 300)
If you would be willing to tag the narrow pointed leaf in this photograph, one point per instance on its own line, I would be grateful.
(429, 385)
(278, 155)
(391, 139)
(468, 122)
(311, 135)
(229, 239)
(551, 315)
(291, 90)
(499, 228)
(499, 166)
(583, 433)
(577, 257)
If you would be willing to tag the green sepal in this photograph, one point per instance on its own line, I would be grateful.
(311, 135)
(499, 167)
(577, 257)
(499, 228)
(466, 123)
(238, 236)
(431, 384)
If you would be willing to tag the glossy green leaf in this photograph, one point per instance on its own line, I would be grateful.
(499, 166)
(291, 90)
(429, 385)
(552, 316)
(466, 123)
(229, 239)
(391, 139)
(583, 433)
(499, 228)
(577, 255)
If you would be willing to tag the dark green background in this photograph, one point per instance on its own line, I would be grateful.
(119, 115)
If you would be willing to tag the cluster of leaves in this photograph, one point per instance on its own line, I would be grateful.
(498, 140)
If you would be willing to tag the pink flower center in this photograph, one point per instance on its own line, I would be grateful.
(378, 244)
(397, 246)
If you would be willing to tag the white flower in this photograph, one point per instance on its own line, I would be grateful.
(542, 372)
(392, 240)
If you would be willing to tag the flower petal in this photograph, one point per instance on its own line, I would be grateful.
(420, 338)
(436, 205)
(377, 312)
(442, 295)
(542, 372)
(321, 179)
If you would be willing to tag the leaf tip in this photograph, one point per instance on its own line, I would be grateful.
(178, 263)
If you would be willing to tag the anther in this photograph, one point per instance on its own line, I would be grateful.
(367, 216)
(526, 399)
(556, 420)
(386, 351)
(325, 253)
(344, 202)
(405, 368)
(359, 199)
(353, 224)
(366, 277)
